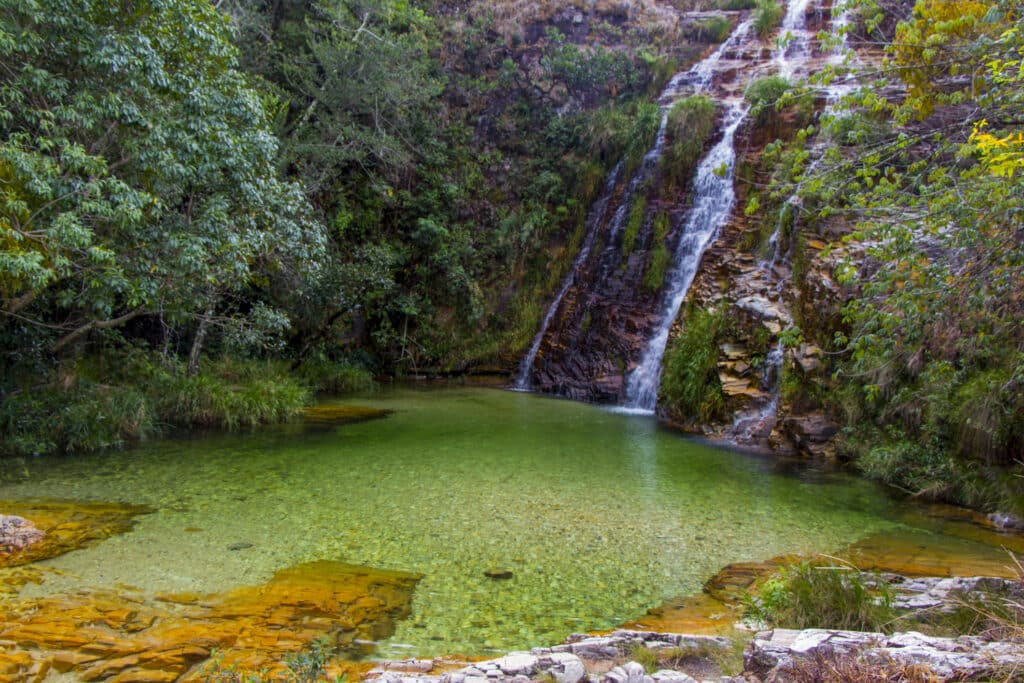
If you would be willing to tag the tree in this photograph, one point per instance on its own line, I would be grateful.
(137, 167)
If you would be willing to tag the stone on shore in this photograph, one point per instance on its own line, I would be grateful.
(777, 655)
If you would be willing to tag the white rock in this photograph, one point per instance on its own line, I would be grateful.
(567, 668)
(517, 663)
(669, 676)
(634, 672)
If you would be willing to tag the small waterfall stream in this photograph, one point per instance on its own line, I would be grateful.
(594, 220)
(695, 80)
(712, 205)
(794, 39)
(757, 425)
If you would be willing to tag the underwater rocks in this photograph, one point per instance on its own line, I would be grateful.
(16, 533)
(784, 654)
(65, 526)
(126, 636)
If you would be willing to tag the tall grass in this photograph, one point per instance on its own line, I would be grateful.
(690, 124)
(813, 594)
(76, 414)
(690, 387)
(767, 17)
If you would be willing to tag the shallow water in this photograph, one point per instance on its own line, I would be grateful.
(598, 515)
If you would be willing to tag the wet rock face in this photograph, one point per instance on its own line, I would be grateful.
(602, 324)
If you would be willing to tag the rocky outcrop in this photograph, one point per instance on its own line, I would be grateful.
(784, 655)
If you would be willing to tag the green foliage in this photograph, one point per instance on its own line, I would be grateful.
(335, 377)
(635, 221)
(689, 384)
(660, 258)
(812, 595)
(765, 95)
(691, 123)
(736, 5)
(711, 30)
(138, 167)
(83, 417)
(228, 395)
(767, 17)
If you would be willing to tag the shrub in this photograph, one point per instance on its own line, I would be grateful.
(764, 95)
(84, 417)
(813, 595)
(691, 123)
(689, 385)
(767, 16)
(334, 377)
(736, 5)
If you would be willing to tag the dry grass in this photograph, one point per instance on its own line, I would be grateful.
(828, 667)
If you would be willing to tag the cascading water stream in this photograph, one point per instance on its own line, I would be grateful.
(696, 79)
(758, 424)
(594, 220)
(795, 40)
(712, 205)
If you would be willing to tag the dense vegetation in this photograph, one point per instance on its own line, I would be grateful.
(207, 214)
(201, 202)
(919, 193)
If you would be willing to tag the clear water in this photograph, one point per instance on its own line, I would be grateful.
(599, 515)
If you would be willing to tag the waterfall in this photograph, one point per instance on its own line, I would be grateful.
(594, 220)
(696, 79)
(757, 425)
(794, 40)
(712, 205)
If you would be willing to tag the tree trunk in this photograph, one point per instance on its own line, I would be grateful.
(197, 343)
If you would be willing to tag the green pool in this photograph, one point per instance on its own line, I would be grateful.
(597, 515)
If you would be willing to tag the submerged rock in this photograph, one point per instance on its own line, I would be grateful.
(49, 529)
(498, 574)
(127, 636)
(17, 533)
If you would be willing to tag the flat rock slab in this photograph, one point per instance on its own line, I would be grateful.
(775, 655)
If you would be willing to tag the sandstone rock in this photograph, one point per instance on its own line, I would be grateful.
(669, 676)
(811, 434)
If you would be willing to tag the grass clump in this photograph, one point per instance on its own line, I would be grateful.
(690, 387)
(736, 5)
(691, 123)
(323, 375)
(660, 258)
(76, 418)
(814, 595)
(767, 17)
(75, 413)
(764, 95)
(633, 225)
